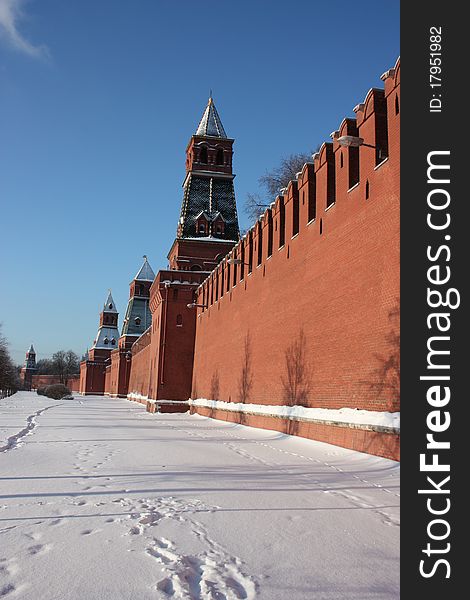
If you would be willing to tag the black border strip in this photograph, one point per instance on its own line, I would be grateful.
(424, 131)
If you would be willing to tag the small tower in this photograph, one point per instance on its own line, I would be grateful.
(30, 362)
(138, 316)
(108, 333)
(29, 368)
(208, 224)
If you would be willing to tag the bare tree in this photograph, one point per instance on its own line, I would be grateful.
(273, 181)
(246, 378)
(255, 205)
(45, 366)
(9, 378)
(296, 381)
(65, 364)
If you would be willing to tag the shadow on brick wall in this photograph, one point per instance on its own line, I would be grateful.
(296, 379)
(245, 383)
(384, 382)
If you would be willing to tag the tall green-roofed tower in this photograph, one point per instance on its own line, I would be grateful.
(208, 224)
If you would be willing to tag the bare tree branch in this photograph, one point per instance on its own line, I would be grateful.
(273, 181)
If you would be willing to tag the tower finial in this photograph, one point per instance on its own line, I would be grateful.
(144, 257)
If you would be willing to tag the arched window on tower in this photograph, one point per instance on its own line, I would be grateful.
(202, 225)
(220, 157)
(203, 155)
(179, 320)
(218, 226)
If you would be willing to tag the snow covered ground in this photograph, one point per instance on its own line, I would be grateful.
(101, 500)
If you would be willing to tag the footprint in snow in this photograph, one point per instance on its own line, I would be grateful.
(136, 530)
(7, 589)
(209, 574)
(35, 536)
(39, 549)
(56, 522)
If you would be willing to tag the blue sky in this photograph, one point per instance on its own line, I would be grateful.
(98, 99)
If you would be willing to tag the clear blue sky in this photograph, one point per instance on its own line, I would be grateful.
(98, 99)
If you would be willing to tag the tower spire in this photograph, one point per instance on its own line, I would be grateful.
(209, 209)
(108, 333)
(210, 124)
(145, 272)
(138, 316)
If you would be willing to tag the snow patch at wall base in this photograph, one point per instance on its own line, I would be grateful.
(385, 422)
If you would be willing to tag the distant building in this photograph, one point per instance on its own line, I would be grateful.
(29, 369)
(32, 380)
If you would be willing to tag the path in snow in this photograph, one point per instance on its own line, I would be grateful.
(14, 441)
(100, 499)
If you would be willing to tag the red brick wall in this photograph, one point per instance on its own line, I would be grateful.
(339, 287)
(73, 383)
(139, 379)
(92, 377)
(107, 380)
(118, 372)
(172, 334)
